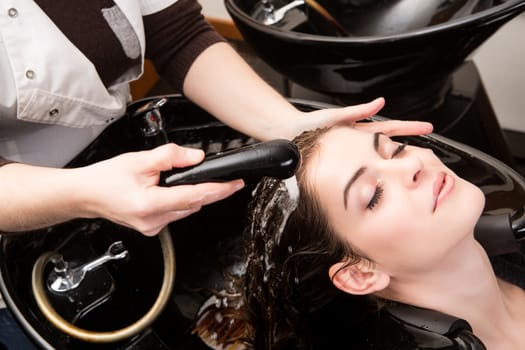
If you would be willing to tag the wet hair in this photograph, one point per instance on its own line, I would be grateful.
(292, 280)
(290, 246)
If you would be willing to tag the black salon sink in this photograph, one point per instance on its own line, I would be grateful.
(208, 246)
(393, 48)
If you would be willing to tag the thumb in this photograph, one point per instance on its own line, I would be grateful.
(361, 111)
(333, 116)
(174, 156)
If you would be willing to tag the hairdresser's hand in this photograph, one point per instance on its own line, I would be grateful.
(351, 114)
(126, 191)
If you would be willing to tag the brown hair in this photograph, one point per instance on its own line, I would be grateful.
(287, 259)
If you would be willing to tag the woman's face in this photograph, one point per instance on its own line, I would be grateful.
(402, 208)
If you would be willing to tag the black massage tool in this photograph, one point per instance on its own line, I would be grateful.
(276, 158)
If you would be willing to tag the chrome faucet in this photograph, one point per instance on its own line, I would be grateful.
(64, 278)
(272, 15)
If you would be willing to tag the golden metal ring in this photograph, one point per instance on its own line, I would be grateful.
(37, 282)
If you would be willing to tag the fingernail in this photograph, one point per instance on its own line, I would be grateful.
(238, 185)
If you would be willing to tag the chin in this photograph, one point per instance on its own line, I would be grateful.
(474, 204)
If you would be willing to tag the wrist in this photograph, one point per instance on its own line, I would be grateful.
(287, 126)
(81, 191)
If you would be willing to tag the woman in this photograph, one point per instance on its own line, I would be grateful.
(65, 71)
(382, 221)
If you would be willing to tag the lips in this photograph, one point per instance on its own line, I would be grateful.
(443, 184)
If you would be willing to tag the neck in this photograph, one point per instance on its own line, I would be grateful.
(471, 292)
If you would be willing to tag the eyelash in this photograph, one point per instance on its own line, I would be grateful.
(378, 193)
(399, 149)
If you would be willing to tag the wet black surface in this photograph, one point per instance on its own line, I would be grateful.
(381, 56)
(17, 340)
(208, 245)
(514, 139)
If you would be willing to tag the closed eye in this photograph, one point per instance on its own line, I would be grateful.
(376, 197)
(399, 149)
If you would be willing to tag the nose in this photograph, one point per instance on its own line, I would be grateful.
(408, 169)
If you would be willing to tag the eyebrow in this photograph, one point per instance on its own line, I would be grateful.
(376, 141)
(359, 171)
(350, 182)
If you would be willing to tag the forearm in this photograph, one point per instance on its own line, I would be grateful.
(221, 82)
(35, 197)
(194, 58)
(123, 189)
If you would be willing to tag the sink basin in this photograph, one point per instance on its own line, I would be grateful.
(394, 48)
(208, 245)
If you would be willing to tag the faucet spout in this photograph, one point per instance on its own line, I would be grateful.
(272, 15)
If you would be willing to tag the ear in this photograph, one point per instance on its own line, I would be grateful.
(358, 279)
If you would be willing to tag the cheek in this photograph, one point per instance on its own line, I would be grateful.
(401, 218)
(382, 232)
(396, 223)
(400, 214)
(405, 230)
(399, 243)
